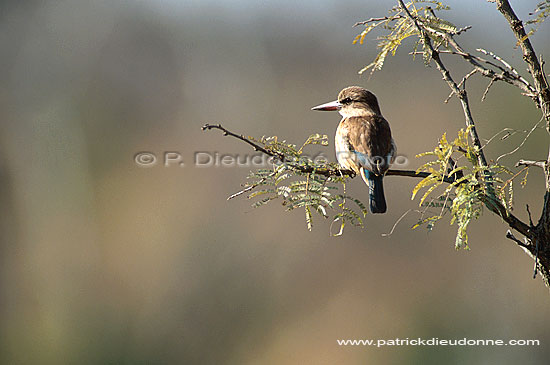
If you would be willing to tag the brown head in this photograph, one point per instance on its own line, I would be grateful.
(353, 101)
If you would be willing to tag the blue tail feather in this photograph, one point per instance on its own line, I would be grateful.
(377, 201)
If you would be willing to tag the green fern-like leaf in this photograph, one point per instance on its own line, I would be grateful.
(297, 188)
(466, 194)
(398, 27)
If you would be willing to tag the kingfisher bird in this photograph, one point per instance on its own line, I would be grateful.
(363, 140)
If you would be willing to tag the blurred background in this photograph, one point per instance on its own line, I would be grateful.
(107, 261)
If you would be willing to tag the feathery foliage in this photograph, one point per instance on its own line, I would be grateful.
(474, 182)
(541, 12)
(399, 28)
(465, 197)
(459, 183)
(298, 181)
(473, 185)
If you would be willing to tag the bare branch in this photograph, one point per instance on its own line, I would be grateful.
(504, 75)
(462, 30)
(412, 173)
(461, 94)
(390, 18)
(541, 164)
(487, 89)
(529, 55)
(312, 169)
(461, 83)
(492, 203)
(509, 235)
(509, 181)
(256, 146)
(508, 133)
(303, 169)
(508, 73)
(506, 64)
(521, 144)
(396, 223)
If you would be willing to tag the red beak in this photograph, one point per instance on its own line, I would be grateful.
(333, 105)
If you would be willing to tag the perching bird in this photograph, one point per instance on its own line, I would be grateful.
(363, 140)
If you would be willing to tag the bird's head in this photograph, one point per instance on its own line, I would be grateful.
(352, 101)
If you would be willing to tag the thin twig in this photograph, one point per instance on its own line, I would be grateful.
(487, 89)
(396, 223)
(509, 235)
(493, 204)
(505, 75)
(250, 187)
(256, 147)
(365, 22)
(328, 172)
(462, 30)
(521, 144)
(530, 57)
(541, 163)
(412, 173)
(461, 94)
(509, 132)
(501, 60)
(461, 83)
(513, 177)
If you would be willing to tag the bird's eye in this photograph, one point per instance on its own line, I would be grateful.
(345, 101)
